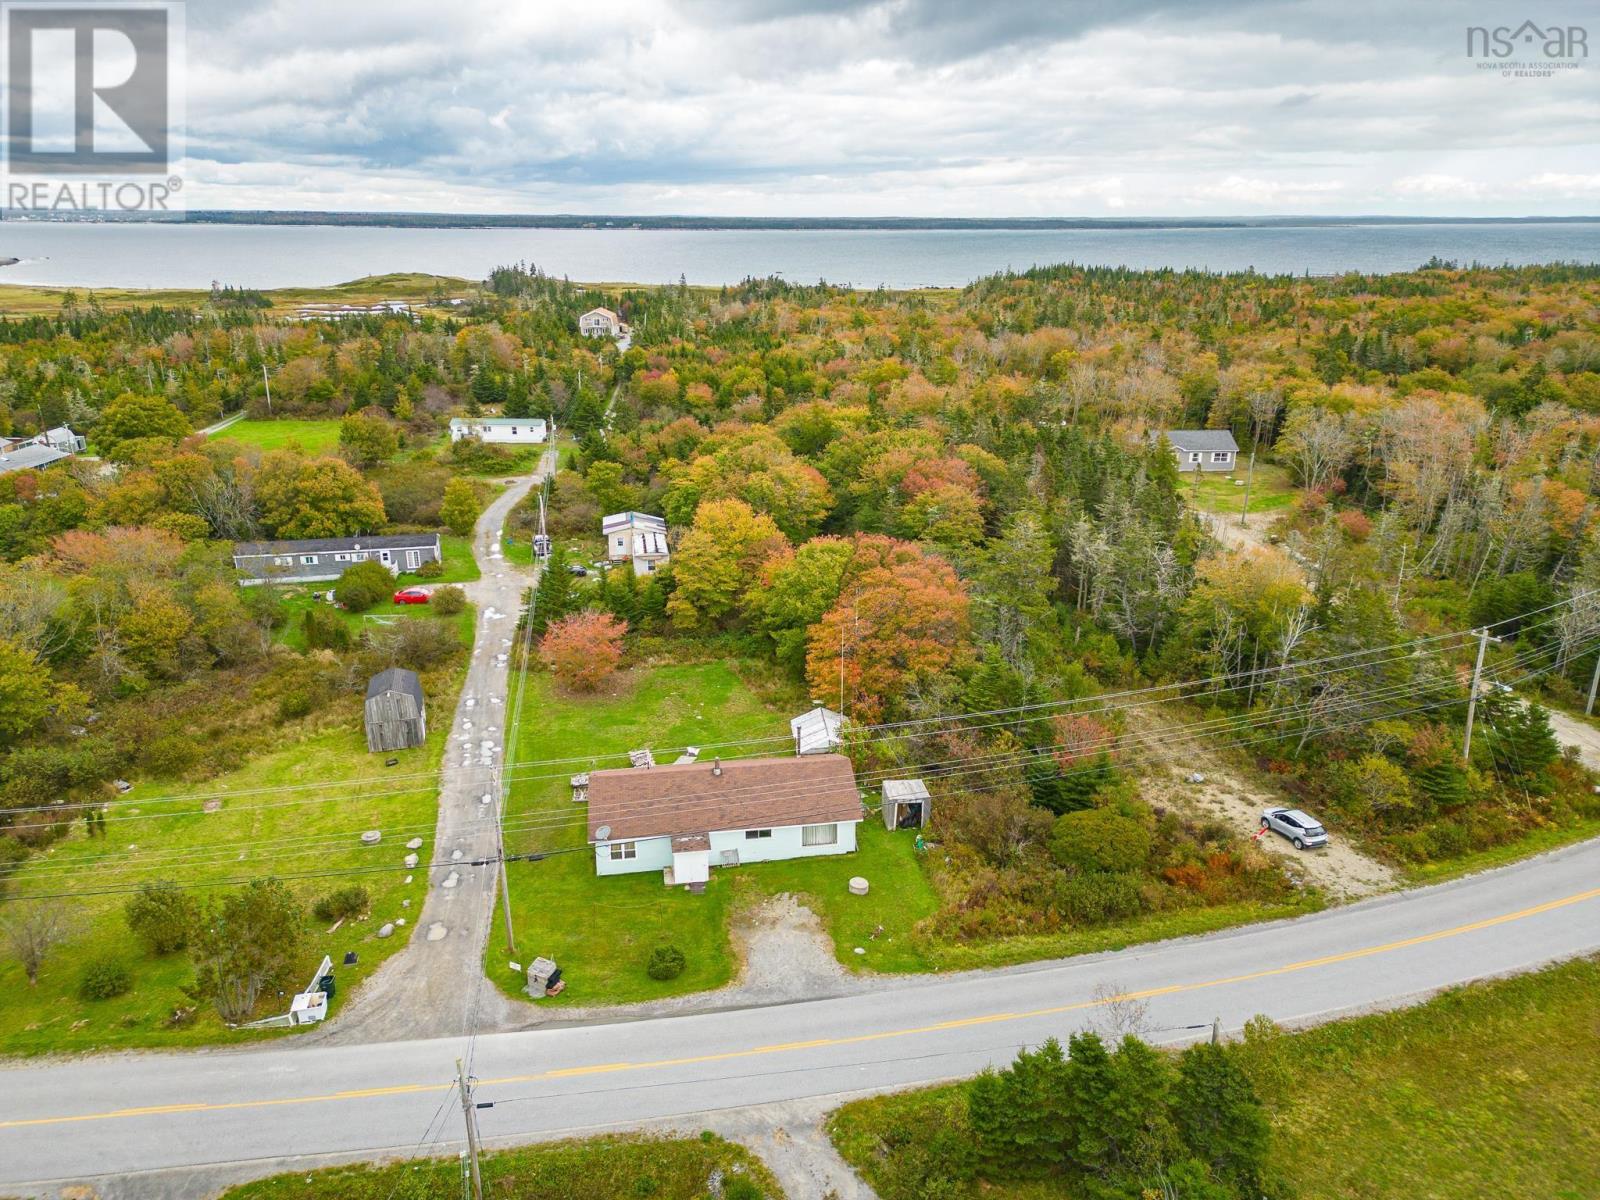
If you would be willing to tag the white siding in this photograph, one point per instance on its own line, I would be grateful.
(652, 854)
(785, 842)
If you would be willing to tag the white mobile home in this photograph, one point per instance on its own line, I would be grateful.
(684, 819)
(515, 431)
(318, 560)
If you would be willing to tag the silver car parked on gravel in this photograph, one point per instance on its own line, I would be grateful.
(1302, 831)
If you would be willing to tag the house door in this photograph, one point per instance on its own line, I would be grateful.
(386, 559)
(413, 559)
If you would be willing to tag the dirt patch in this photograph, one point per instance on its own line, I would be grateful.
(1340, 870)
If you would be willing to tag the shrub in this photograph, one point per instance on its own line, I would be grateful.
(363, 585)
(737, 1187)
(294, 705)
(349, 901)
(666, 962)
(170, 756)
(104, 979)
(415, 644)
(162, 914)
(325, 630)
(1098, 897)
(431, 569)
(1100, 839)
(448, 601)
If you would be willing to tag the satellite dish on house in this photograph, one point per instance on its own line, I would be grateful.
(602, 833)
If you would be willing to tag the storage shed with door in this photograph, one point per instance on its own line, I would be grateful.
(905, 803)
(396, 716)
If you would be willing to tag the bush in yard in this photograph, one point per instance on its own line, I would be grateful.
(294, 705)
(104, 979)
(460, 507)
(363, 585)
(583, 649)
(246, 943)
(666, 962)
(162, 914)
(448, 601)
(431, 569)
(349, 901)
(417, 645)
(737, 1187)
(1100, 839)
(325, 630)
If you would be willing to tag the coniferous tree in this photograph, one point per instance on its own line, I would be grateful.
(1219, 1116)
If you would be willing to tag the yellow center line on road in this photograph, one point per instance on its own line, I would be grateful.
(819, 1043)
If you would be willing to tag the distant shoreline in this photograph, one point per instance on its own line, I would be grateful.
(401, 220)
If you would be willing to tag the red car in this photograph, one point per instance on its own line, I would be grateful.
(411, 596)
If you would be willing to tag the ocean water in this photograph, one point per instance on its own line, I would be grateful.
(263, 256)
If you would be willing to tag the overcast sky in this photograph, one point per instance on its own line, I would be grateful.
(911, 107)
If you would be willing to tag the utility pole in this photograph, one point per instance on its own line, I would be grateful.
(1249, 478)
(1472, 700)
(1588, 709)
(1401, 579)
(471, 1115)
(268, 385)
(500, 854)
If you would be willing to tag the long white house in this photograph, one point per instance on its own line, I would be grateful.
(686, 818)
(519, 431)
(318, 560)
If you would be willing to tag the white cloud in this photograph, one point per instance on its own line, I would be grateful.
(897, 106)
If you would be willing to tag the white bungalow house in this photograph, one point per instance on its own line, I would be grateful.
(516, 431)
(639, 538)
(601, 322)
(1202, 449)
(820, 731)
(63, 439)
(683, 819)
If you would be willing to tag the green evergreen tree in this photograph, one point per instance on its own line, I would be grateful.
(1138, 1119)
(557, 593)
(1219, 1116)
(1088, 1135)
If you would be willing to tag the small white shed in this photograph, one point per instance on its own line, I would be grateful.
(905, 803)
(820, 731)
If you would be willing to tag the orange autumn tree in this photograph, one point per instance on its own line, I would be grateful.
(902, 619)
(584, 649)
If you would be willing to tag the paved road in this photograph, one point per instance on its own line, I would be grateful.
(122, 1123)
(434, 987)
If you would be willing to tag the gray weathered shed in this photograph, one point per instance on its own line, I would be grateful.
(396, 716)
(905, 803)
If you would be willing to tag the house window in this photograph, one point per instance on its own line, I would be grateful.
(619, 543)
(751, 834)
(622, 851)
(341, 558)
(1195, 457)
(1220, 456)
(819, 835)
(308, 560)
(284, 560)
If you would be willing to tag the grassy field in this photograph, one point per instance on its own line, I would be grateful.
(602, 930)
(1270, 490)
(416, 287)
(1486, 1090)
(298, 600)
(314, 437)
(250, 836)
(609, 1168)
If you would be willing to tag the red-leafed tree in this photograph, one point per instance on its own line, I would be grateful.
(584, 649)
(901, 619)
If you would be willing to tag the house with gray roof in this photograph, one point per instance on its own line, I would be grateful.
(319, 560)
(1202, 449)
(30, 456)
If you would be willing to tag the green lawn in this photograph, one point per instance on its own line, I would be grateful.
(1486, 1090)
(607, 1168)
(1271, 489)
(252, 835)
(298, 600)
(459, 564)
(602, 930)
(311, 436)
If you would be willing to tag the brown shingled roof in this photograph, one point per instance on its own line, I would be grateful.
(751, 793)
